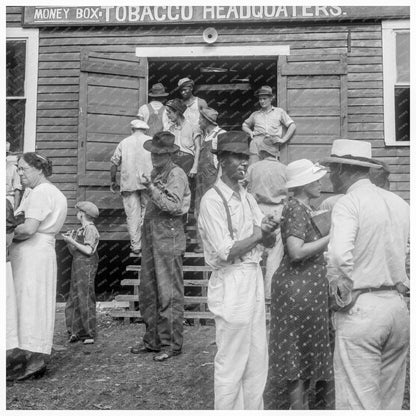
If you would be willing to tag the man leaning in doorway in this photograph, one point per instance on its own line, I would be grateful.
(134, 161)
(232, 227)
(154, 113)
(161, 294)
(367, 277)
(193, 104)
(266, 125)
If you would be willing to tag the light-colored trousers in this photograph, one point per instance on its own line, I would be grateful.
(274, 254)
(371, 346)
(236, 298)
(134, 205)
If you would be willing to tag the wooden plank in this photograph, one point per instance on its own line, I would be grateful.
(118, 313)
(57, 129)
(366, 109)
(51, 89)
(103, 199)
(112, 110)
(115, 69)
(52, 105)
(54, 97)
(59, 64)
(224, 87)
(186, 268)
(307, 82)
(355, 85)
(373, 92)
(343, 101)
(64, 72)
(365, 68)
(68, 154)
(59, 57)
(94, 178)
(186, 282)
(188, 300)
(313, 97)
(314, 69)
(365, 126)
(49, 113)
(58, 81)
(100, 166)
(365, 101)
(365, 77)
(314, 111)
(105, 137)
(363, 118)
(52, 121)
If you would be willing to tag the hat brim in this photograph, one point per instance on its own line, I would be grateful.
(149, 146)
(307, 180)
(344, 161)
(270, 94)
(209, 119)
(176, 109)
(238, 152)
(158, 95)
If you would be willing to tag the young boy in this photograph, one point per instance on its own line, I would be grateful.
(82, 244)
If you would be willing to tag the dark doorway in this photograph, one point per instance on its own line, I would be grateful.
(228, 86)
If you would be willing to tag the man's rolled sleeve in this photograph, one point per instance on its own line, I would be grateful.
(116, 158)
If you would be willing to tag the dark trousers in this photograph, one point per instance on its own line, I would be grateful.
(80, 306)
(161, 283)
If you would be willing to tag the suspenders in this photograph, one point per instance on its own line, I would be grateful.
(227, 211)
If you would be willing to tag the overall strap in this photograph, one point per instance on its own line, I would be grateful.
(227, 211)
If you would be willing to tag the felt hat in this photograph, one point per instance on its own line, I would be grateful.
(234, 141)
(185, 82)
(210, 114)
(88, 207)
(351, 152)
(139, 124)
(177, 105)
(157, 90)
(303, 171)
(162, 142)
(264, 90)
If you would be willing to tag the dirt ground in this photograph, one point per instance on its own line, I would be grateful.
(106, 376)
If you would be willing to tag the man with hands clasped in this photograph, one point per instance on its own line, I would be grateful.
(232, 227)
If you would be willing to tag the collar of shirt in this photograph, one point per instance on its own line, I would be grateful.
(268, 111)
(228, 192)
(358, 184)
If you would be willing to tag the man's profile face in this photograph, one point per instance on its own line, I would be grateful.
(335, 178)
(159, 160)
(235, 166)
(265, 101)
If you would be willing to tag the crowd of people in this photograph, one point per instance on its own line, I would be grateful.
(334, 275)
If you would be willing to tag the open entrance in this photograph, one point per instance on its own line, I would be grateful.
(228, 86)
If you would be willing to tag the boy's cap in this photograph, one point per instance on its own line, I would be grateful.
(89, 208)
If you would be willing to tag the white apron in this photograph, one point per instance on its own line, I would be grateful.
(11, 310)
(34, 271)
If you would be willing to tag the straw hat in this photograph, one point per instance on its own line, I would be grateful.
(303, 171)
(351, 152)
(157, 90)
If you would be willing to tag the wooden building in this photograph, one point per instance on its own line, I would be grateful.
(340, 72)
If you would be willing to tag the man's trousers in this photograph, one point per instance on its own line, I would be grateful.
(371, 347)
(236, 298)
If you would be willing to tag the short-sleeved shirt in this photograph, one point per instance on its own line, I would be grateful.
(47, 204)
(89, 236)
(135, 161)
(268, 122)
(185, 136)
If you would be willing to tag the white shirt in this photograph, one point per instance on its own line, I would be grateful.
(368, 238)
(213, 225)
(134, 159)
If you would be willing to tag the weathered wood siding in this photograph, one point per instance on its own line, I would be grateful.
(59, 80)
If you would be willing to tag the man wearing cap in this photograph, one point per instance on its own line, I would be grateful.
(161, 294)
(134, 161)
(193, 104)
(267, 183)
(154, 113)
(367, 277)
(265, 126)
(232, 227)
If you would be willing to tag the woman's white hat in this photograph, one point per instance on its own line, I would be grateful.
(303, 171)
(351, 152)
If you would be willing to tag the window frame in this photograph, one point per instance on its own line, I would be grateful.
(389, 28)
(31, 36)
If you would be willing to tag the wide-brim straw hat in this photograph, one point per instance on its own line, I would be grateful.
(89, 208)
(162, 142)
(157, 90)
(302, 172)
(351, 152)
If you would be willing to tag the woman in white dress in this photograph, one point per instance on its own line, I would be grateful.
(33, 261)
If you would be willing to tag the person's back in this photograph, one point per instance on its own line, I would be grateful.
(155, 120)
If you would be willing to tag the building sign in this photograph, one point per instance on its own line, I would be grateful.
(132, 15)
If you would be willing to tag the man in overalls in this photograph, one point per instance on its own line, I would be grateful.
(154, 113)
(208, 162)
(161, 295)
(232, 227)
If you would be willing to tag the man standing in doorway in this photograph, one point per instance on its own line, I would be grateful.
(161, 294)
(267, 183)
(232, 227)
(154, 113)
(134, 161)
(367, 278)
(266, 125)
(193, 104)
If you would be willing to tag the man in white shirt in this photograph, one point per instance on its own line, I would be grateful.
(134, 161)
(232, 226)
(154, 113)
(367, 278)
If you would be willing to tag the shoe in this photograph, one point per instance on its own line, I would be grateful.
(165, 355)
(141, 349)
(73, 338)
(35, 373)
(88, 341)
